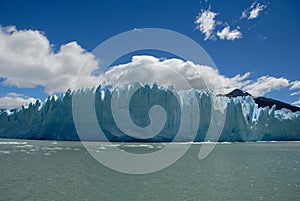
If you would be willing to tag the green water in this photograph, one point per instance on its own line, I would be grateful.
(45, 170)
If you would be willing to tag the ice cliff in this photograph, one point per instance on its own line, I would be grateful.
(193, 113)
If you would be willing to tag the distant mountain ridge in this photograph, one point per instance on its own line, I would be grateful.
(263, 101)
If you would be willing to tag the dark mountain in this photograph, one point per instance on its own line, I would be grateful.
(236, 93)
(262, 101)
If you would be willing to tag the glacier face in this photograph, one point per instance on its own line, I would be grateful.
(152, 113)
(251, 123)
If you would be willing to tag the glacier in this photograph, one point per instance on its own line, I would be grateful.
(151, 113)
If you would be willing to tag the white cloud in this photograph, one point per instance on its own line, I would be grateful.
(227, 34)
(253, 11)
(295, 85)
(244, 14)
(27, 60)
(295, 93)
(262, 37)
(14, 100)
(148, 69)
(206, 23)
(266, 84)
(297, 103)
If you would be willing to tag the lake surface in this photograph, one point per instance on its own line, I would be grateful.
(47, 170)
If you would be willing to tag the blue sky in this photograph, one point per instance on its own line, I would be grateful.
(266, 44)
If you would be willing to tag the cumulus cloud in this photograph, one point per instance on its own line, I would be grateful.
(27, 60)
(176, 72)
(14, 100)
(266, 84)
(253, 11)
(227, 34)
(206, 23)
